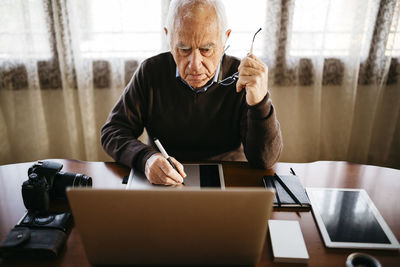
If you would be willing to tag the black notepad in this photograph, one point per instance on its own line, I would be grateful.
(295, 186)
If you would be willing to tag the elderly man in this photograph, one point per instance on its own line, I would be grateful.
(179, 98)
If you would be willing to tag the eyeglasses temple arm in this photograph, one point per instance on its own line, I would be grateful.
(254, 37)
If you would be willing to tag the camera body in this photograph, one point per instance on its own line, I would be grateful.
(46, 181)
(42, 234)
(59, 221)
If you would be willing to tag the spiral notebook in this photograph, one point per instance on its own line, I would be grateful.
(283, 198)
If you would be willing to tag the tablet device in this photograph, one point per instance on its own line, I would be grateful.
(198, 176)
(347, 218)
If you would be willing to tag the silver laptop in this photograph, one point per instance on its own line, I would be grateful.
(172, 226)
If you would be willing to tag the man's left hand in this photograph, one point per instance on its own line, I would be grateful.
(253, 75)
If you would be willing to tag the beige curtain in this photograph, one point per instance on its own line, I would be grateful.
(335, 81)
(334, 73)
(80, 55)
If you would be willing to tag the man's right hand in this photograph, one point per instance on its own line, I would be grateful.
(159, 171)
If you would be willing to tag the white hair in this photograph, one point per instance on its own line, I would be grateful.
(218, 7)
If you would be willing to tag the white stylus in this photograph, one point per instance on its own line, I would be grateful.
(165, 154)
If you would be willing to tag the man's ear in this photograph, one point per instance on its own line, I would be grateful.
(166, 31)
(228, 33)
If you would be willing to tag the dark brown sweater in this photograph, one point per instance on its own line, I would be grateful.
(191, 126)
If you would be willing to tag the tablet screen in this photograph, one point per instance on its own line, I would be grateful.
(348, 218)
(209, 176)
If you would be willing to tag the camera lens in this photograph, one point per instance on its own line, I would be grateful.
(82, 180)
(62, 180)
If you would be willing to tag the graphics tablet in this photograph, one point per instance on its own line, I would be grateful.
(347, 218)
(198, 176)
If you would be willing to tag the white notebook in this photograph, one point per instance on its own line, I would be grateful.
(287, 241)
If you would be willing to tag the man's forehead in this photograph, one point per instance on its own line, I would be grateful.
(192, 26)
(201, 34)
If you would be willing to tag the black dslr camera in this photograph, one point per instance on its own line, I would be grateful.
(47, 181)
(40, 233)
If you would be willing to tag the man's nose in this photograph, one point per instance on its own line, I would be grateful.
(195, 60)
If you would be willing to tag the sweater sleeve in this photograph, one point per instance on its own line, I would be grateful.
(125, 124)
(261, 134)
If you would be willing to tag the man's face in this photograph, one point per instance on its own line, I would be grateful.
(197, 47)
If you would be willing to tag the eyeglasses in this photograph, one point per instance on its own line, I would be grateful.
(230, 79)
(234, 77)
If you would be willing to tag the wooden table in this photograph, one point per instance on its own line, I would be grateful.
(381, 184)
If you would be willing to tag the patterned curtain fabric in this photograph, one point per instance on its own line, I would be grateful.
(333, 73)
(335, 80)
